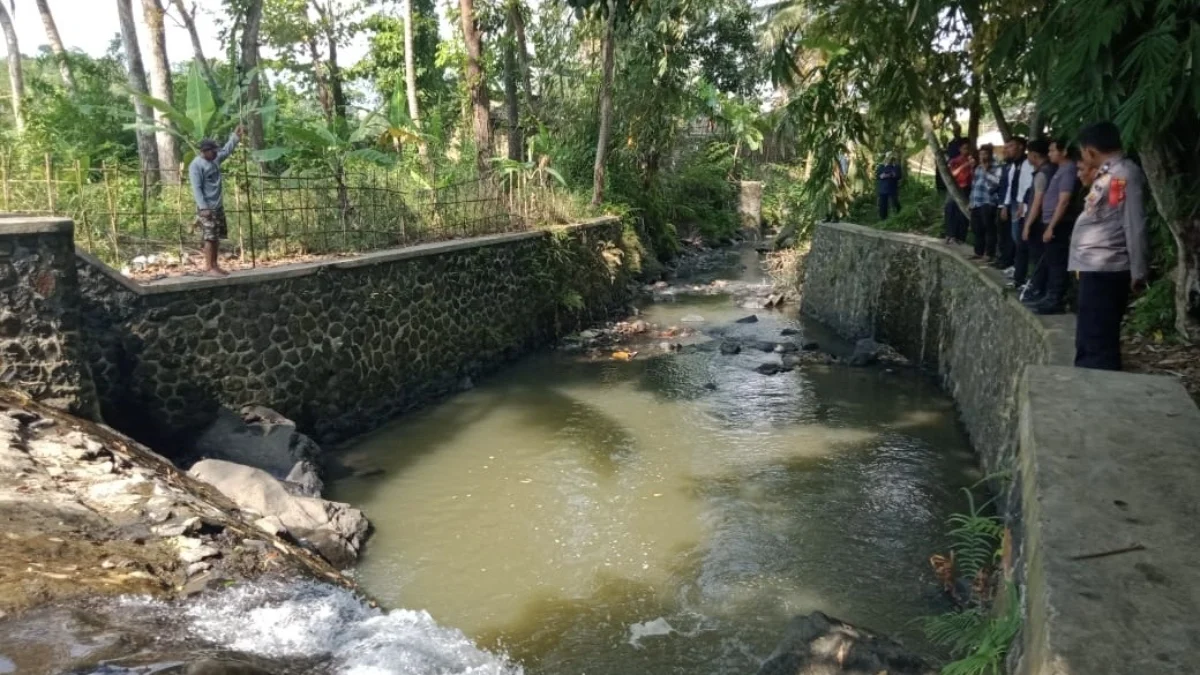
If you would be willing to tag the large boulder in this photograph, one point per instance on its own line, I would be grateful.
(338, 531)
(264, 439)
(816, 644)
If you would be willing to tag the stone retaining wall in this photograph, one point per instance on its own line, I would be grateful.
(341, 346)
(1098, 470)
(41, 349)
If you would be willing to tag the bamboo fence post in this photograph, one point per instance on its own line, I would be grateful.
(262, 217)
(49, 184)
(4, 178)
(83, 214)
(182, 188)
(237, 206)
(112, 213)
(145, 199)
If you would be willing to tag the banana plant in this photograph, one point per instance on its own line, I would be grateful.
(201, 117)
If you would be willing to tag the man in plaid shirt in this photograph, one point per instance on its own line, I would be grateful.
(985, 199)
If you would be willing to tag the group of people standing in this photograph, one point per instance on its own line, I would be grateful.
(1047, 209)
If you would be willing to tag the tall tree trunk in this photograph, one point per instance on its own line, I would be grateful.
(605, 104)
(189, 22)
(160, 88)
(324, 97)
(16, 78)
(943, 169)
(249, 68)
(998, 112)
(410, 78)
(56, 45)
(518, 20)
(1169, 170)
(333, 72)
(477, 85)
(147, 148)
(975, 110)
(512, 101)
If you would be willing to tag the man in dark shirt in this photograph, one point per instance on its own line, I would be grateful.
(1060, 207)
(1015, 181)
(1030, 247)
(888, 176)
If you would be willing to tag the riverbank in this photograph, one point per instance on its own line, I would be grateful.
(1082, 459)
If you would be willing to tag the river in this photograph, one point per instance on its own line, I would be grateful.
(666, 514)
(580, 515)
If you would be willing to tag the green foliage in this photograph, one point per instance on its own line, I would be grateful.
(975, 537)
(978, 639)
(1153, 313)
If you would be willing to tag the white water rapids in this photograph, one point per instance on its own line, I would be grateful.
(320, 623)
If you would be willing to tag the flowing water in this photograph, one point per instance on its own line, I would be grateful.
(582, 516)
(668, 514)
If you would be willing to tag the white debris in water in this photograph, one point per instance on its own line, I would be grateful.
(655, 628)
(310, 620)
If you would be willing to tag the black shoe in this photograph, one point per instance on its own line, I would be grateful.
(1032, 300)
(1050, 307)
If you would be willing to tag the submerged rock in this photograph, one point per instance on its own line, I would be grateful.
(866, 353)
(810, 345)
(764, 346)
(786, 348)
(729, 348)
(753, 318)
(816, 644)
(772, 368)
(336, 530)
(789, 331)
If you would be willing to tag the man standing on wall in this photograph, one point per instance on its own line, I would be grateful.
(1109, 247)
(961, 171)
(887, 176)
(985, 196)
(1015, 182)
(1031, 247)
(205, 176)
(1060, 207)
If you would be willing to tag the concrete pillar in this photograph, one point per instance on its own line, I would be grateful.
(750, 208)
(41, 343)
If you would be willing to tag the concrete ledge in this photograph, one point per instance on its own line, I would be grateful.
(13, 225)
(1109, 461)
(280, 272)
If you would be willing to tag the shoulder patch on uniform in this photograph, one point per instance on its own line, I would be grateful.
(1116, 191)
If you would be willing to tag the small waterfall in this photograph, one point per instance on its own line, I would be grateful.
(308, 620)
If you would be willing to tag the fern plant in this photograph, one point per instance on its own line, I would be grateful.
(976, 538)
(978, 641)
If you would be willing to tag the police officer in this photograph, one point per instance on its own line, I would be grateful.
(1108, 247)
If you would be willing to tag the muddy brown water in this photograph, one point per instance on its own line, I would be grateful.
(669, 514)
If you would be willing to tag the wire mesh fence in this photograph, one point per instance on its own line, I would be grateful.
(133, 218)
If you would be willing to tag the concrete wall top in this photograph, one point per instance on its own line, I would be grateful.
(281, 272)
(13, 225)
(1110, 463)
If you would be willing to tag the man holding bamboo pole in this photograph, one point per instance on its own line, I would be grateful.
(205, 176)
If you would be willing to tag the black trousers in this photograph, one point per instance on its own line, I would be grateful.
(1037, 258)
(1008, 245)
(1103, 298)
(1029, 252)
(983, 228)
(1050, 276)
(956, 221)
(885, 200)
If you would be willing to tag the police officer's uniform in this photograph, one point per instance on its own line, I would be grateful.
(1108, 250)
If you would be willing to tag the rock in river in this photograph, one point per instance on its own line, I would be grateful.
(337, 530)
(261, 438)
(866, 353)
(819, 645)
(772, 368)
(753, 318)
(729, 348)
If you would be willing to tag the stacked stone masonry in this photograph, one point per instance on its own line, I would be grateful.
(341, 346)
(40, 342)
(1096, 470)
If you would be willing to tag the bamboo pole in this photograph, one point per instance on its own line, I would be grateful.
(180, 190)
(49, 183)
(4, 178)
(83, 214)
(112, 213)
